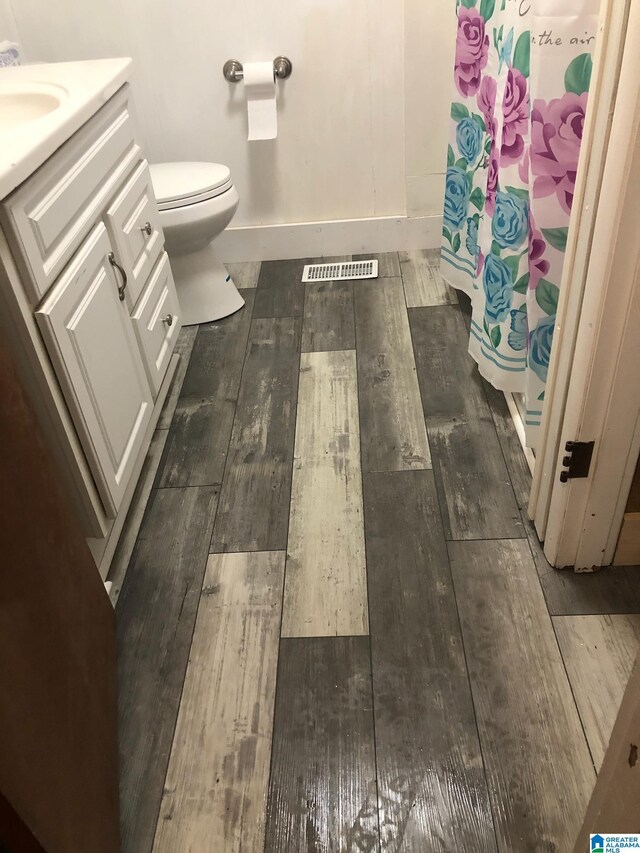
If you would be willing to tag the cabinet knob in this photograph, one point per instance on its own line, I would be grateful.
(147, 228)
(168, 319)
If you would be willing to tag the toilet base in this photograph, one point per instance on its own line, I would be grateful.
(205, 289)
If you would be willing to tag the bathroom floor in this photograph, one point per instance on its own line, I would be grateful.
(337, 629)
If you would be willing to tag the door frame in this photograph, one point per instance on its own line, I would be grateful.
(593, 394)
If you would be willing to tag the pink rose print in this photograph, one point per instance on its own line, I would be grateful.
(515, 108)
(492, 182)
(538, 266)
(556, 135)
(472, 48)
(523, 168)
(487, 103)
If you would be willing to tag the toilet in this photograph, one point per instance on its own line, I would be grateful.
(196, 202)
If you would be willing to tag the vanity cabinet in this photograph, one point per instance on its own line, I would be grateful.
(95, 310)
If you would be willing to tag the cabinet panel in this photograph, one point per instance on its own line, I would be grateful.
(92, 344)
(157, 321)
(137, 245)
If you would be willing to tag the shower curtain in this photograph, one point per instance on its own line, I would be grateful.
(522, 73)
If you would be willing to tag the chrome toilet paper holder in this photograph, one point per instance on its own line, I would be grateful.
(233, 71)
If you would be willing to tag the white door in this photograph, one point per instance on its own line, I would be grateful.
(88, 333)
(595, 381)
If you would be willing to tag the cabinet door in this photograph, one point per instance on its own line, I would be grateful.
(134, 228)
(94, 351)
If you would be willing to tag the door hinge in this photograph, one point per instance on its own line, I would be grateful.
(578, 460)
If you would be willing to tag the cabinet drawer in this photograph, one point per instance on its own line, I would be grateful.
(52, 212)
(157, 321)
(134, 226)
(94, 351)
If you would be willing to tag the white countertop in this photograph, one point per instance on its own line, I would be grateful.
(84, 87)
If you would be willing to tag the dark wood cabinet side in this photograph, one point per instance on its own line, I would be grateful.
(58, 685)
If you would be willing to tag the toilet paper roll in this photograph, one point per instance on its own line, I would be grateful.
(260, 91)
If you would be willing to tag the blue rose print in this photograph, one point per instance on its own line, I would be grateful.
(469, 139)
(498, 288)
(456, 198)
(540, 342)
(510, 223)
(519, 330)
(472, 237)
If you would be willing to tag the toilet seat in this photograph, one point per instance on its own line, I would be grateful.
(183, 184)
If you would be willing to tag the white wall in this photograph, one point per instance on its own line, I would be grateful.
(8, 27)
(430, 37)
(340, 152)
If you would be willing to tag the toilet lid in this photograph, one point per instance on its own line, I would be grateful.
(177, 184)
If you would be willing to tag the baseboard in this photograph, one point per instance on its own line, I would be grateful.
(336, 237)
(514, 411)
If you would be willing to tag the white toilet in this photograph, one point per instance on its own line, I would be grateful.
(197, 202)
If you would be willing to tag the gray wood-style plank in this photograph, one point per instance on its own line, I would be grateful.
(253, 513)
(245, 274)
(614, 589)
(477, 497)
(196, 449)
(215, 793)
(326, 586)
(184, 347)
(538, 764)
(423, 283)
(611, 590)
(510, 443)
(394, 437)
(432, 789)
(330, 259)
(599, 653)
(328, 317)
(322, 795)
(156, 614)
(128, 537)
(388, 263)
(280, 292)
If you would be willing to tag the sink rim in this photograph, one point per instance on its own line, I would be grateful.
(54, 95)
(33, 87)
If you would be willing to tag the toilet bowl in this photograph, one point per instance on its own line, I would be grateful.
(196, 202)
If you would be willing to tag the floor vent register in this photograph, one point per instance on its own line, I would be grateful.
(340, 271)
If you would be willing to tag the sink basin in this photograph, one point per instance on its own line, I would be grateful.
(23, 103)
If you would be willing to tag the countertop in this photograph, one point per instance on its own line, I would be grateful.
(86, 86)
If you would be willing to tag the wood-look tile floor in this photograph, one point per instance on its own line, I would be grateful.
(337, 630)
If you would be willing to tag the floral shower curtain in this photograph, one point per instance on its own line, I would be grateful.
(522, 73)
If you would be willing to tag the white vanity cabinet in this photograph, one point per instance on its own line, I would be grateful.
(94, 310)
